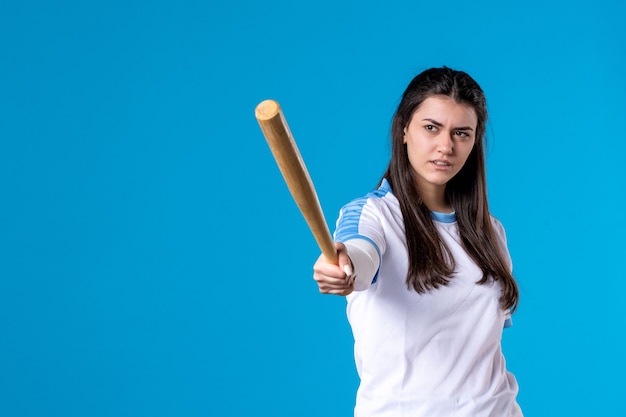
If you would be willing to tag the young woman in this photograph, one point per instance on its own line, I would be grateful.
(425, 267)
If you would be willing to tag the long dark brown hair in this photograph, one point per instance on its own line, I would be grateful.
(431, 263)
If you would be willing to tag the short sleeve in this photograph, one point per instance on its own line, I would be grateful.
(501, 236)
(360, 219)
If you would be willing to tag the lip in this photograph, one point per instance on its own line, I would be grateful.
(443, 165)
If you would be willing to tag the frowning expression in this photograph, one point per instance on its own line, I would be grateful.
(439, 139)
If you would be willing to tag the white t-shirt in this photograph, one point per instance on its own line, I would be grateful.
(422, 355)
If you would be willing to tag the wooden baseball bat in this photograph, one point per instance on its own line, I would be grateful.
(278, 135)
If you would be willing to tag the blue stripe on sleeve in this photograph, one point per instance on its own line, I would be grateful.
(348, 226)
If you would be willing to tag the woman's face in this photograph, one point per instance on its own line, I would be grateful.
(439, 138)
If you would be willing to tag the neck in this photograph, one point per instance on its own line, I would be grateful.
(435, 199)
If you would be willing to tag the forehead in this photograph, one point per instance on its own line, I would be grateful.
(446, 111)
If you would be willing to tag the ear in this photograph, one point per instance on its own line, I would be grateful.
(404, 135)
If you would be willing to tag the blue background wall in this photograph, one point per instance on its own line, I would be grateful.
(152, 261)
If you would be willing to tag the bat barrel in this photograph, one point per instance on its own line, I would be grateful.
(290, 162)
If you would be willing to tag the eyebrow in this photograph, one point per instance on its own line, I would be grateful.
(436, 123)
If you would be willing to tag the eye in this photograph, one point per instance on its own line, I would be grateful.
(461, 134)
(430, 128)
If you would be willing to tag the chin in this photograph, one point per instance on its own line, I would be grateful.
(439, 181)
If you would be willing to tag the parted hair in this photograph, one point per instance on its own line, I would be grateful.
(431, 263)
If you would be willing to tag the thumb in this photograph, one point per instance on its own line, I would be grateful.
(347, 268)
(343, 260)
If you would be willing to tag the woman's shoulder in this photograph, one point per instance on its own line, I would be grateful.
(498, 227)
(495, 221)
(380, 197)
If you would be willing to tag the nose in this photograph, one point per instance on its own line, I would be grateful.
(445, 145)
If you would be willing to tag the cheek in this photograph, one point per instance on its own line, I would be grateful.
(416, 156)
(413, 148)
(466, 153)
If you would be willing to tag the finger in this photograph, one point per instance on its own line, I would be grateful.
(343, 292)
(334, 286)
(344, 262)
(332, 282)
(333, 274)
(323, 268)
